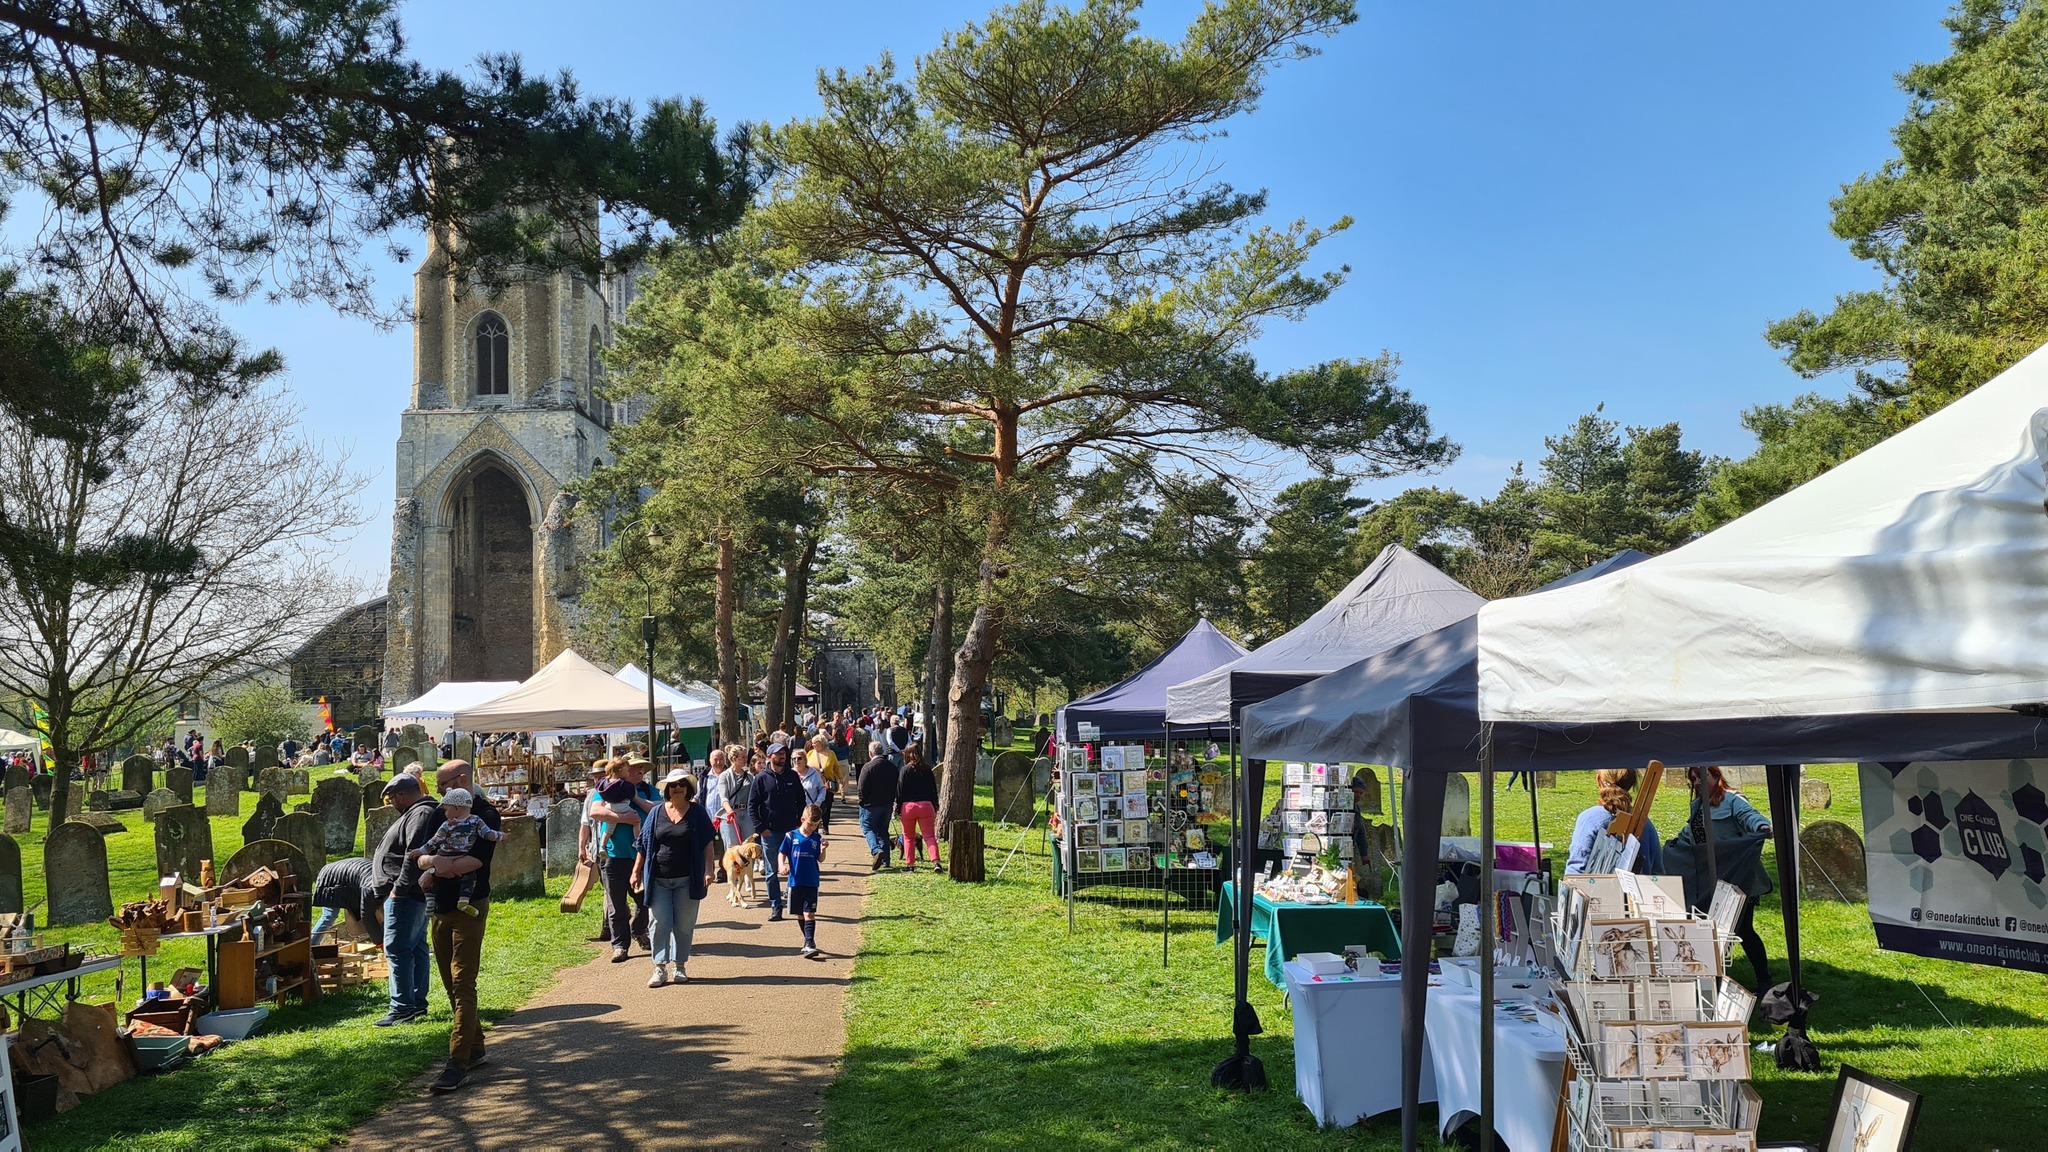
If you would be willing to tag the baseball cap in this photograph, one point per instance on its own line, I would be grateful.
(774, 748)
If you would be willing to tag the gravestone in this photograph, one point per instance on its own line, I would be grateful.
(42, 785)
(339, 805)
(179, 779)
(1369, 804)
(430, 755)
(120, 800)
(465, 747)
(1546, 779)
(376, 822)
(561, 845)
(1744, 777)
(10, 875)
(239, 757)
(108, 823)
(266, 757)
(75, 869)
(263, 821)
(157, 801)
(1457, 805)
(1815, 795)
(373, 794)
(302, 830)
(1014, 796)
(404, 758)
(365, 738)
(183, 839)
(984, 768)
(1831, 865)
(302, 807)
(1001, 732)
(516, 864)
(138, 774)
(270, 782)
(21, 812)
(297, 781)
(414, 735)
(1041, 775)
(264, 854)
(224, 791)
(17, 776)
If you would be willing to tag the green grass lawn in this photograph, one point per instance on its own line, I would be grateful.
(976, 1019)
(318, 1069)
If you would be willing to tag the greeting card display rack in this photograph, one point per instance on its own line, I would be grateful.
(1656, 1032)
(1313, 813)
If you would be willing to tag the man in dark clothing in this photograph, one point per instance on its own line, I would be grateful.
(459, 934)
(396, 882)
(777, 810)
(342, 892)
(877, 800)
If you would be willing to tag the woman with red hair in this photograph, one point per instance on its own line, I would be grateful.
(1740, 832)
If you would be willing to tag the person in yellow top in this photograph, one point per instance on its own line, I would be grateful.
(825, 763)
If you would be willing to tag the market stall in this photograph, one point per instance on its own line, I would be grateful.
(694, 719)
(443, 700)
(1292, 927)
(570, 694)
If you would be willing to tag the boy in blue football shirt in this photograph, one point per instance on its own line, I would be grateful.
(802, 851)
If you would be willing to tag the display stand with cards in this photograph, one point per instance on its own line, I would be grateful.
(1656, 1032)
(1313, 812)
(1133, 831)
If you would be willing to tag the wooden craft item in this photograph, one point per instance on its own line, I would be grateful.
(579, 887)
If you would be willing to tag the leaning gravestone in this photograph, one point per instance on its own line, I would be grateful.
(108, 823)
(376, 822)
(1369, 804)
(75, 869)
(10, 875)
(270, 782)
(302, 830)
(265, 853)
(1457, 805)
(515, 863)
(297, 781)
(224, 791)
(338, 803)
(1831, 865)
(21, 812)
(157, 801)
(404, 758)
(263, 821)
(42, 786)
(120, 800)
(239, 757)
(138, 774)
(179, 779)
(1014, 798)
(183, 839)
(561, 845)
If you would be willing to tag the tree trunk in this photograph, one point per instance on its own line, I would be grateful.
(938, 668)
(963, 723)
(725, 601)
(774, 718)
(796, 602)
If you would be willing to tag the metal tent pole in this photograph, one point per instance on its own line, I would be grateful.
(1486, 901)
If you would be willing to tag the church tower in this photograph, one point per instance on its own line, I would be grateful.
(504, 416)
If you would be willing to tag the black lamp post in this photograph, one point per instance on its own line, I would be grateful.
(648, 629)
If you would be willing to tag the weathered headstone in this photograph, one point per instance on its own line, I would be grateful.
(1041, 775)
(239, 757)
(338, 803)
(404, 758)
(120, 800)
(183, 839)
(108, 823)
(1014, 797)
(21, 812)
(157, 801)
(42, 785)
(263, 821)
(561, 845)
(465, 747)
(984, 768)
(224, 791)
(373, 794)
(1457, 805)
(264, 853)
(414, 735)
(302, 830)
(376, 822)
(138, 774)
(1002, 732)
(10, 875)
(430, 755)
(1815, 795)
(297, 781)
(515, 863)
(266, 757)
(1546, 779)
(1831, 865)
(179, 779)
(1370, 803)
(17, 776)
(365, 737)
(270, 782)
(1744, 777)
(75, 869)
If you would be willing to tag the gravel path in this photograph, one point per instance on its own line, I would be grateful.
(739, 1056)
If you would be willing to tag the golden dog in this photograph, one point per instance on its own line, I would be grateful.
(739, 871)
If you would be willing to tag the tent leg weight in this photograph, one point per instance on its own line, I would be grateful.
(964, 857)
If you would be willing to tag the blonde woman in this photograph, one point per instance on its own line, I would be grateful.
(735, 785)
(825, 763)
(1617, 795)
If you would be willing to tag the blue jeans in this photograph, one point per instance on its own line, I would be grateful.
(874, 827)
(405, 946)
(675, 919)
(323, 922)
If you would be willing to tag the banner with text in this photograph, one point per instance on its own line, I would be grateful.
(1956, 854)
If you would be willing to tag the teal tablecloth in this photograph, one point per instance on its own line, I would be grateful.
(1291, 929)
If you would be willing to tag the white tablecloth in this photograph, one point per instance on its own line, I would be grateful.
(1347, 1045)
(1528, 1067)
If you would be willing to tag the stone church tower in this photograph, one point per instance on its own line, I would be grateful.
(504, 416)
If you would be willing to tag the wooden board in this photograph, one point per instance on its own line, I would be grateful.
(579, 887)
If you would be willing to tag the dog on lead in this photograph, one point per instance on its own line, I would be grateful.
(739, 871)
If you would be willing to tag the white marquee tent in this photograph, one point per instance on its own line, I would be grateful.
(1912, 578)
(443, 700)
(12, 741)
(689, 713)
(569, 695)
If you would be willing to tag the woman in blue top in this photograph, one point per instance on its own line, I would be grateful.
(1740, 832)
(1617, 795)
(677, 854)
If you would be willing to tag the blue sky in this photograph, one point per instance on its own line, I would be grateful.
(1557, 206)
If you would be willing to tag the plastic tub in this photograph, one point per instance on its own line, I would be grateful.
(160, 1053)
(235, 1024)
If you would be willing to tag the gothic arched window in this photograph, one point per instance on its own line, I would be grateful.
(493, 356)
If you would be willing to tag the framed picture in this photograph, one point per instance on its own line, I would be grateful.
(1871, 1114)
(1088, 808)
(1088, 860)
(1137, 861)
(1717, 1051)
(1685, 948)
(1622, 949)
(1138, 832)
(1114, 860)
(1134, 781)
(1112, 834)
(1620, 1058)
(1086, 836)
(1662, 1049)
(1084, 784)
(1135, 806)
(1295, 774)
(1723, 1140)
(1111, 759)
(1109, 783)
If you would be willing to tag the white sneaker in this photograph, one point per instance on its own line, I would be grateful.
(681, 977)
(807, 951)
(660, 976)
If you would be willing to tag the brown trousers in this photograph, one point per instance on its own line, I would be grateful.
(459, 946)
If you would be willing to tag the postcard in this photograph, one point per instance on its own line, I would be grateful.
(1682, 1102)
(1109, 783)
(1734, 1002)
(1717, 1051)
(1621, 1101)
(1723, 1140)
(1662, 1050)
(1115, 860)
(1088, 808)
(1670, 1000)
(1295, 774)
(1621, 948)
(1088, 835)
(1088, 860)
(1137, 831)
(1620, 1058)
(1686, 948)
(1111, 760)
(1135, 806)
(1597, 1004)
(1134, 781)
(1084, 784)
(1112, 833)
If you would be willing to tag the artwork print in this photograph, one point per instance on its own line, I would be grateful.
(1109, 783)
(1295, 774)
(1135, 807)
(1134, 781)
(1621, 949)
(1662, 1049)
(1871, 1115)
(1686, 948)
(1111, 760)
(1084, 784)
(1620, 1054)
(1114, 860)
(1136, 832)
(1723, 1142)
(1087, 808)
(1112, 834)
(1088, 860)
(1086, 836)
(1717, 1051)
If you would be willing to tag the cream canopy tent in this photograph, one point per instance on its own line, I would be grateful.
(570, 694)
(12, 741)
(444, 699)
(689, 713)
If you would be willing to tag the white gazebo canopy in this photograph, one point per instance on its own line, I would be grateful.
(1912, 578)
(570, 694)
(12, 741)
(689, 713)
(446, 698)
